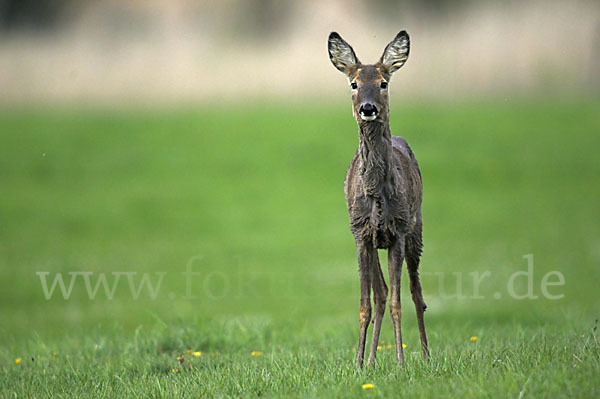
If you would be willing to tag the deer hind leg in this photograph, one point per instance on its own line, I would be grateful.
(366, 254)
(395, 259)
(414, 247)
(380, 292)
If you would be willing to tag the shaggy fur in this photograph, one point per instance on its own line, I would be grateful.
(383, 193)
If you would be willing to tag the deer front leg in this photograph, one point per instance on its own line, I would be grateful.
(395, 259)
(380, 292)
(365, 256)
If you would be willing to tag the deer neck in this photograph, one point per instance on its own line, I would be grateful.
(375, 151)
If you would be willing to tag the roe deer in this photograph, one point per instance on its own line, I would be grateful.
(383, 193)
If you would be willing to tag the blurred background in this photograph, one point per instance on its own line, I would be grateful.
(142, 135)
(184, 50)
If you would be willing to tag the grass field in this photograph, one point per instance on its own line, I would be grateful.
(251, 200)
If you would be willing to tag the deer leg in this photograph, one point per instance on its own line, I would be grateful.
(395, 259)
(413, 254)
(365, 255)
(380, 292)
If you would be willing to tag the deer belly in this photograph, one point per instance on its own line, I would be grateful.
(380, 231)
(382, 238)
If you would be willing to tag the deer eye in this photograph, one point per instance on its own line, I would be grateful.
(354, 85)
(384, 85)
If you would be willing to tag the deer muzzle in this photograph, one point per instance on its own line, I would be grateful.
(368, 112)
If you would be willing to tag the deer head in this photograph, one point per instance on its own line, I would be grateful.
(369, 83)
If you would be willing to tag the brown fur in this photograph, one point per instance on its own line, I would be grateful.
(383, 193)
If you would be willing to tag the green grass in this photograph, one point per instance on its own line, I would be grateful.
(252, 198)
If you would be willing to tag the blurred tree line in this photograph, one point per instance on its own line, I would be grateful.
(34, 15)
(260, 17)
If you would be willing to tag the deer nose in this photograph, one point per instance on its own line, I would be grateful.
(368, 111)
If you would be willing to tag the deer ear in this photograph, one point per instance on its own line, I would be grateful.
(340, 53)
(396, 52)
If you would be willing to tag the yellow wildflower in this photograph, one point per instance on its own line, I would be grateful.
(378, 347)
(175, 370)
(382, 343)
(473, 338)
(388, 347)
(197, 354)
(368, 386)
(18, 360)
(179, 358)
(403, 346)
(189, 351)
(256, 353)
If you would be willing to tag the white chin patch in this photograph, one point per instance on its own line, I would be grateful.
(368, 118)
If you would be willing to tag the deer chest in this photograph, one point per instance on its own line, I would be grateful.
(379, 219)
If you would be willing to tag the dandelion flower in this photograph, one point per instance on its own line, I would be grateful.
(18, 360)
(197, 354)
(179, 358)
(189, 351)
(473, 338)
(175, 370)
(403, 346)
(378, 347)
(256, 353)
(388, 347)
(368, 386)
